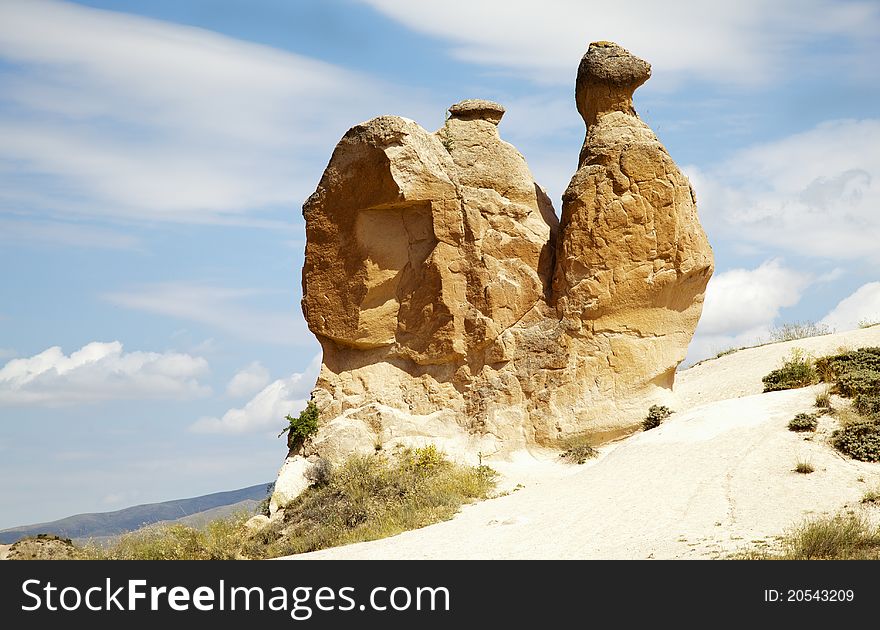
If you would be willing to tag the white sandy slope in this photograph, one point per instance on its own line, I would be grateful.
(714, 478)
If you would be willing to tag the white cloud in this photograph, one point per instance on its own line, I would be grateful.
(100, 371)
(114, 114)
(266, 410)
(814, 193)
(219, 307)
(862, 305)
(745, 41)
(248, 380)
(742, 304)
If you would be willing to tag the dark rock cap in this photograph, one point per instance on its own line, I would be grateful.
(606, 62)
(607, 77)
(477, 109)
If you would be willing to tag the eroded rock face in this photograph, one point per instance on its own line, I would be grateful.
(453, 307)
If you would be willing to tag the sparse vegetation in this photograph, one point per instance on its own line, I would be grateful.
(798, 330)
(803, 422)
(301, 428)
(726, 351)
(847, 537)
(445, 137)
(868, 323)
(823, 402)
(803, 467)
(872, 496)
(222, 539)
(368, 497)
(797, 371)
(577, 449)
(375, 496)
(656, 415)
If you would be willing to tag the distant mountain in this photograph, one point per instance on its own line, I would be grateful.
(103, 524)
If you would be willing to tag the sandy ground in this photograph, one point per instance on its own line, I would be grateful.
(715, 478)
(4, 549)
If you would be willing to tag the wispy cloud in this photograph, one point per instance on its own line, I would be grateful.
(65, 233)
(743, 42)
(100, 371)
(266, 410)
(222, 308)
(109, 114)
(814, 193)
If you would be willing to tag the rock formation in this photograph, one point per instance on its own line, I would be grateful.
(453, 307)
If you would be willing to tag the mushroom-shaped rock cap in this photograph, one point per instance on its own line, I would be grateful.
(477, 109)
(606, 79)
(606, 62)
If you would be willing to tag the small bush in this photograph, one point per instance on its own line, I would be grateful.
(803, 422)
(833, 538)
(798, 330)
(863, 361)
(797, 371)
(871, 496)
(867, 404)
(861, 381)
(804, 467)
(859, 439)
(318, 474)
(823, 401)
(656, 415)
(301, 428)
(868, 323)
(577, 449)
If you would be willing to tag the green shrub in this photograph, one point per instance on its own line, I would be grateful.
(859, 439)
(578, 448)
(797, 371)
(301, 428)
(855, 365)
(867, 404)
(656, 415)
(803, 422)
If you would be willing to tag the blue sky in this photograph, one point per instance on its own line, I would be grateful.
(154, 156)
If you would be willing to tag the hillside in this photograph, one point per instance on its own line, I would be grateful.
(98, 525)
(714, 478)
